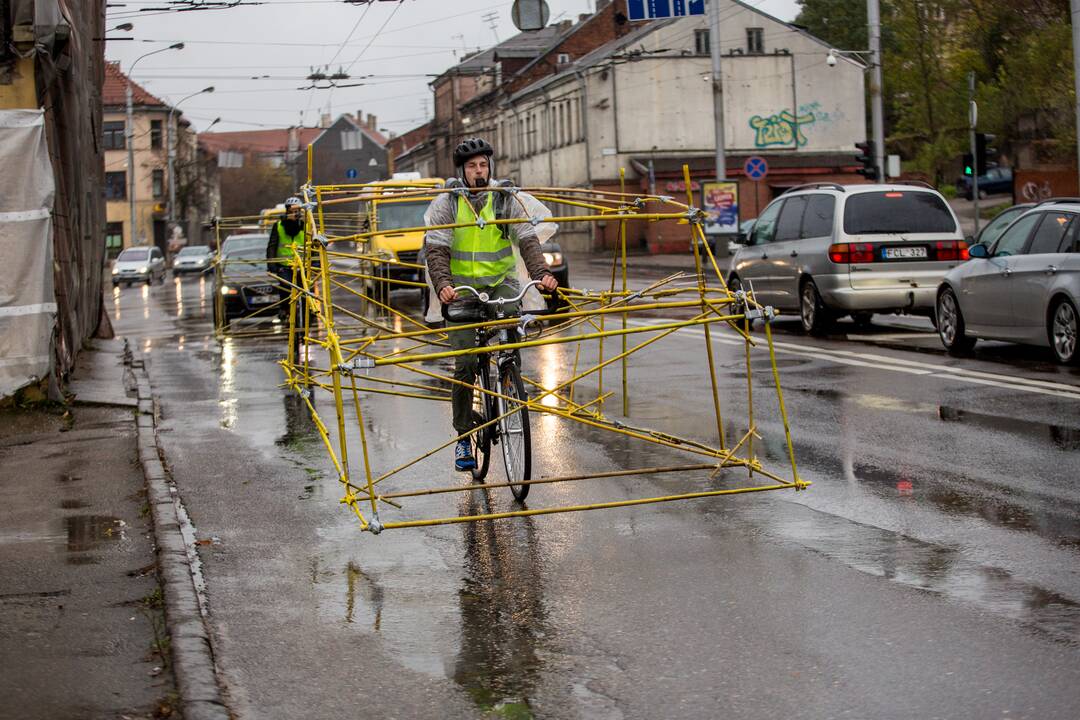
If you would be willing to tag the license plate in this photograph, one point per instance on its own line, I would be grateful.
(903, 253)
(261, 299)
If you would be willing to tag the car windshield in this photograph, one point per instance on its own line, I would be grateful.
(195, 250)
(993, 231)
(400, 215)
(897, 212)
(133, 255)
(246, 258)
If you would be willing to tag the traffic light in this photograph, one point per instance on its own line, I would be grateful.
(969, 164)
(984, 152)
(869, 169)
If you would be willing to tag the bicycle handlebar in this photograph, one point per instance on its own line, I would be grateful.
(485, 298)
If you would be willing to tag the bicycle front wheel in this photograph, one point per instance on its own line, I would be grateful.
(514, 435)
(482, 411)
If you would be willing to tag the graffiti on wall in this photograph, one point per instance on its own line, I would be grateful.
(782, 128)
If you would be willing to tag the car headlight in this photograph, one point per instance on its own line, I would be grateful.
(142, 269)
(116, 271)
(226, 290)
(553, 258)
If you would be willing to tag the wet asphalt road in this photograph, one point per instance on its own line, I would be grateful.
(933, 569)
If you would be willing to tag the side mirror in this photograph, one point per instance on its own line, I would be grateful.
(978, 251)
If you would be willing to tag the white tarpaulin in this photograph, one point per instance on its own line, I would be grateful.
(27, 300)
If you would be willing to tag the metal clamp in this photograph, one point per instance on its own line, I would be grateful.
(322, 240)
(525, 321)
(535, 220)
(374, 525)
(480, 222)
(695, 215)
(359, 363)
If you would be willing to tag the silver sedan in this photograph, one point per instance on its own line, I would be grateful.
(1024, 288)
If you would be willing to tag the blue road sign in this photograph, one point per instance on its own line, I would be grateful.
(351, 174)
(755, 167)
(660, 9)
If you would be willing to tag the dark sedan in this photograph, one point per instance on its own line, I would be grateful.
(243, 288)
(995, 182)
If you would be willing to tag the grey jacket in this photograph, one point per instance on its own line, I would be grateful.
(443, 211)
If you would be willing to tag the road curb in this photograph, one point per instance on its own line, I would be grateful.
(192, 653)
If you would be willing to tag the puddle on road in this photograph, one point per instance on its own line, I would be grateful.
(1061, 437)
(87, 532)
(934, 568)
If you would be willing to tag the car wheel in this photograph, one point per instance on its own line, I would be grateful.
(815, 316)
(1063, 327)
(950, 322)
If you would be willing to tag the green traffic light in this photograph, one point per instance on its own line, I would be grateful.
(968, 170)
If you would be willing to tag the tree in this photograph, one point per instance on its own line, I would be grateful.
(254, 187)
(841, 23)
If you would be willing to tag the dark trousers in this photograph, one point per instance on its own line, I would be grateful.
(465, 365)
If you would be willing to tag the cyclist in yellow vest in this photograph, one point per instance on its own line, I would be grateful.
(481, 256)
(286, 240)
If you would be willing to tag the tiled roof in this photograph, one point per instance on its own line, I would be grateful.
(115, 90)
(259, 141)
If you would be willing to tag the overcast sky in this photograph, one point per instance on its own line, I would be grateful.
(258, 55)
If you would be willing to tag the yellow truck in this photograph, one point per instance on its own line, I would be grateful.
(395, 213)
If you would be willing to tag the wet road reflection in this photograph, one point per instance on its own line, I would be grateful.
(503, 618)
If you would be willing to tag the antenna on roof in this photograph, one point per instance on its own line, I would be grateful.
(492, 19)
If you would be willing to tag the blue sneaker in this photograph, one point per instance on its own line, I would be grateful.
(463, 457)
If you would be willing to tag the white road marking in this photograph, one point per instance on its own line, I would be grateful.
(911, 367)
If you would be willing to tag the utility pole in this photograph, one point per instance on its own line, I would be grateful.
(873, 17)
(718, 88)
(132, 237)
(1075, 8)
(973, 121)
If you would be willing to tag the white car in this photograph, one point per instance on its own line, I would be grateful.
(193, 258)
(138, 264)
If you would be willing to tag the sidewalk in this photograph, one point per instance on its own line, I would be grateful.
(82, 628)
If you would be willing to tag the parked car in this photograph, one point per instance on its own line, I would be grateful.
(995, 181)
(827, 250)
(139, 264)
(1023, 288)
(193, 258)
(993, 229)
(244, 240)
(243, 284)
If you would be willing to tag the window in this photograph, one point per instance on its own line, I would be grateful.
(791, 219)
(155, 134)
(158, 183)
(765, 227)
(818, 218)
(114, 238)
(351, 140)
(701, 42)
(993, 230)
(1071, 242)
(562, 59)
(1051, 232)
(116, 185)
(114, 135)
(755, 41)
(1014, 239)
(873, 213)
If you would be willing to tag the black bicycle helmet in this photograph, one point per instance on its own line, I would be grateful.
(470, 148)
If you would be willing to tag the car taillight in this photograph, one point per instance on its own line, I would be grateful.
(956, 250)
(844, 253)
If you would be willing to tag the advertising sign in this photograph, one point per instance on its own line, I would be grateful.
(720, 201)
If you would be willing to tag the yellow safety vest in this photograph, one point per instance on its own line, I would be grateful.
(479, 256)
(289, 246)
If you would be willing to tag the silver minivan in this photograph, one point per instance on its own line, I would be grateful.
(139, 264)
(827, 250)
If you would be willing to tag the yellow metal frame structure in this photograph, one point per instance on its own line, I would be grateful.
(359, 343)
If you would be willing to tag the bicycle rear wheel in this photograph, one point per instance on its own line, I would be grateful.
(514, 436)
(482, 407)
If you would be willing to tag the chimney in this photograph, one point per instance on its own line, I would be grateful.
(359, 117)
(324, 120)
(371, 123)
(583, 17)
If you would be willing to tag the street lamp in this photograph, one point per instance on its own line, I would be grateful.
(173, 137)
(131, 134)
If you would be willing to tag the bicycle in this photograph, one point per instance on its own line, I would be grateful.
(511, 431)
